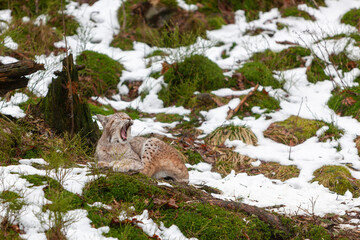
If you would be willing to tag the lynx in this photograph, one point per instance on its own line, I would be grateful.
(118, 149)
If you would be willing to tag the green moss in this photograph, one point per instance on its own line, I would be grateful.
(281, 26)
(168, 118)
(316, 72)
(352, 17)
(259, 99)
(133, 113)
(121, 187)
(193, 157)
(296, 130)
(119, 230)
(286, 59)
(101, 73)
(122, 42)
(258, 72)
(204, 221)
(32, 101)
(34, 152)
(343, 62)
(337, 179)
(216, 22)
(103, 109)
(30, 9)
(13, 198)
(62, 200)
(155, 75)
(346, 102)
(354, 36)
(295, 12)
(195, 73)
(157, 53)
(317, 233)
(36, 180)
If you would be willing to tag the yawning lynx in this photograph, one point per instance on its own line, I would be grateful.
(150, 156)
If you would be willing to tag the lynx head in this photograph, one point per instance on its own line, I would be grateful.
(117, 127)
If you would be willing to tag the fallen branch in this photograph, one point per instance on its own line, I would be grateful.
(12, 76)
(232, 112)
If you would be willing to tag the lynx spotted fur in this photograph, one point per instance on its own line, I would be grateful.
(150, 156)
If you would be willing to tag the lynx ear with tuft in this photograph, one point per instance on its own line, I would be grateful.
(103, 119)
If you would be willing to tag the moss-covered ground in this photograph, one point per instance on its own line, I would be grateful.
(338, 179)
(258, 72)
(258, 99)
(352, 17)
(315, 72)
(195, 219)
(195, 73)
(295, 12)
(286, 59)
(100, 75)
(295, 130)
(346, 102)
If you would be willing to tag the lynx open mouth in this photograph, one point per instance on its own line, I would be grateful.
(124, 130)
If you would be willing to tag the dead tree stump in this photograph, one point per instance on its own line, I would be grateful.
(63, 108)
(12, 76)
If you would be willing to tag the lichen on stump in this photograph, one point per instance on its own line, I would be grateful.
(66, 112)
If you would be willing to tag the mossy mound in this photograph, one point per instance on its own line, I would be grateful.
(352, 17)
(286, 59)
(258, 99)
(295, 12)
(258, 72)
(315, 72)
(195, 73)
(199, 220)
(346, 102)
(274, 170)
(100, 75)
(296, 130)
(338, 179)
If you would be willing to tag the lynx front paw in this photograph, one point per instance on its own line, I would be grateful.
(126, 165)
